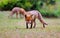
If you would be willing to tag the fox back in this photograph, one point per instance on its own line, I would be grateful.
(38, 15)
(34, 12)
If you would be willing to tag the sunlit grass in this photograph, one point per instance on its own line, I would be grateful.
(11, 27)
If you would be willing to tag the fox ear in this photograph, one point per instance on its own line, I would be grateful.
(25, 16)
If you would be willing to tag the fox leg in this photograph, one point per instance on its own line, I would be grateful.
(16, 15)
(17, 12)
(43, 25)
(21, 16)
(34, 24)
(26, 25)
(31, 25)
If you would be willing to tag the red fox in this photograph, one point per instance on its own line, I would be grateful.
(17, 10)
(31, 16)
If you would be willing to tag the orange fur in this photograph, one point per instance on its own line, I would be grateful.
(31, 16)
(30, 19)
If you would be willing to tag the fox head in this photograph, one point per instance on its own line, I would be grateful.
(28, 17)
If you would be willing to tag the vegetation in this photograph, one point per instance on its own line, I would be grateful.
(48, 8)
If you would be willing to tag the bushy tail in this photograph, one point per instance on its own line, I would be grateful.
(41, 19)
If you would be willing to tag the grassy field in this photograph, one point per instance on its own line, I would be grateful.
(15, 28)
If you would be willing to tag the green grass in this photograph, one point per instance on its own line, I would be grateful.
(15, 28)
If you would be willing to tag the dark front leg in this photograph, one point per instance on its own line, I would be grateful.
(26, 25)
(31, 25)
(34, 25)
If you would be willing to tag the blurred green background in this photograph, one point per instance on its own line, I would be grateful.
(48, 8)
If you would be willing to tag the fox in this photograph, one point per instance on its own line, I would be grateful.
(31, 16)
(17, 10)
(30, 19)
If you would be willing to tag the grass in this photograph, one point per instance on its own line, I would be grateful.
(15, 28)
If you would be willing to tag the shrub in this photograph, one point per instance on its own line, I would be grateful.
(9, 4)
(55, 13)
